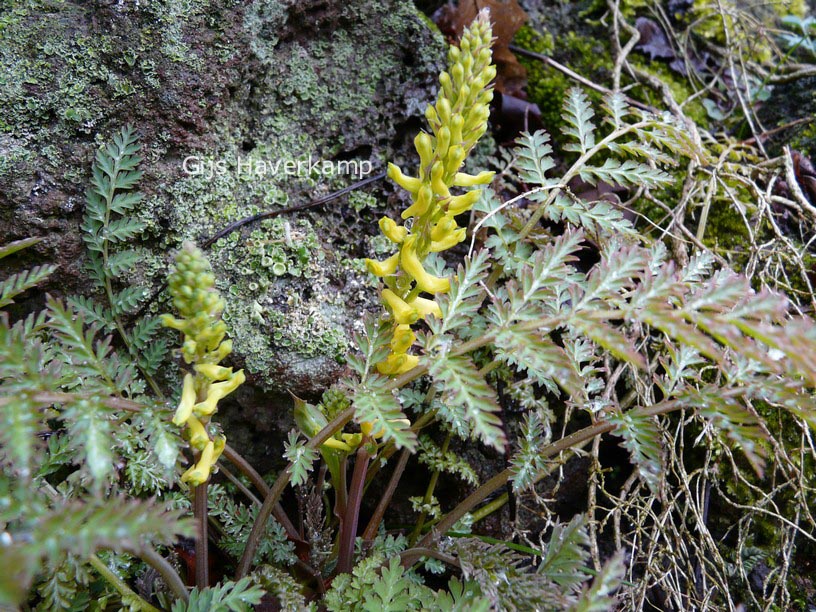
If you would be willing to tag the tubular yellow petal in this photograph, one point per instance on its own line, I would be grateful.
(443, 227)
(397, 364)
(457, 123)
(451, 240)
(336, 444)
(426, 307)
(219, 443)
(468, 180)
(383, 268)
(443, 141)
(199, 474)
(422, 202)
(402, 339)
(459, 204)
(402, 312)
(171, 321)
(424, 146)
(213, 371)
(437, 183)
(412, 265)
(188, 397)
(198, 435)
(443, 109)
(456, 156)
(352, 439)
(408, 183)
(392, 231)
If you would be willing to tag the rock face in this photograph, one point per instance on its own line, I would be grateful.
(235, 87)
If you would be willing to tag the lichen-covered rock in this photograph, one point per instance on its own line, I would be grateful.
(235, 87)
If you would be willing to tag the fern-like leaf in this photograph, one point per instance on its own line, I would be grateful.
(567, 554)
(641, 437)
(18, 283)
(462, 384)
(375, 404)
(578, 115)
(534, 158)
(300, 456)
(231, 596)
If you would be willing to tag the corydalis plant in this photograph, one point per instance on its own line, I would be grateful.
(191, 284)
(457, 121)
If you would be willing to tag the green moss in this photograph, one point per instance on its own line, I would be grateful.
(546, 86)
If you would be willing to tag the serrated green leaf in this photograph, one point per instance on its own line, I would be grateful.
(578, 115)
(378, 406)
(23, 281)
(89, 424)
(642, 438)
(567, 554)
(461, 384)
(534, 157)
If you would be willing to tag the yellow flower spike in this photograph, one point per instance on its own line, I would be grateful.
(437, 180)
(402, 339)
(402, 312)
(408, 183)
(449, 241)
(188, 397)
(212, 371)
(198, 435)
(468, 180)
(426, 307)
(458, 75)
(412, 265)
(383, 268)
(461, 203)
(397, 364)
(422, 202)
(198, 474)
(423, 144)
(392, 231)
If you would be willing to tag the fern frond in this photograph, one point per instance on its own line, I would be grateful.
(534, 157)
(448, 461)
(627, 173)
(17, 245)
(578, 115)
(91, 312)
(642, 438)
(88, 423)
(466, 295)
(300, 456)
(567, 554)
(461, 384)
(16, 284)
(239, 596)
(599, 597)
(374, 403)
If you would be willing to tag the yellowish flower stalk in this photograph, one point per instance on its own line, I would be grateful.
(457, 120)
(192, 286)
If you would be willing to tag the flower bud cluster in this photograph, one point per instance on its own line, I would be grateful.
(457, 120)
(192, 286)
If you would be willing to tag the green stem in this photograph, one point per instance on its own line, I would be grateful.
(126, 593)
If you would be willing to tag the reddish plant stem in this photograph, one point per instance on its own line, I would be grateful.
(276, 491)
(348, 530)
(202, 562)
(255, 478)
(374, 524)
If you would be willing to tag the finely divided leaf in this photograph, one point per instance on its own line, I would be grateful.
(578, 114)
(641, 437)
(462, 385)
